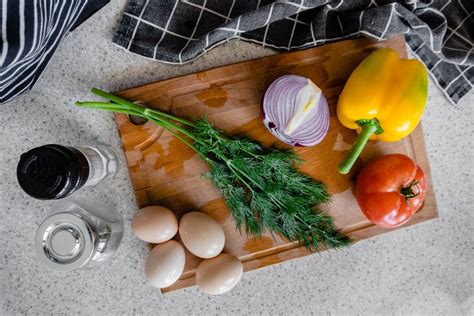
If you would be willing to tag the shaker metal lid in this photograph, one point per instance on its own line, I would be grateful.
(64, 242)
(52, 171)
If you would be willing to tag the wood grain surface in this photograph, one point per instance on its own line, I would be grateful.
(166, 172)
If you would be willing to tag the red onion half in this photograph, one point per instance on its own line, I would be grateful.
(296, 111)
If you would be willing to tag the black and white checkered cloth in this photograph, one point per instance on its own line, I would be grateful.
(440, 32)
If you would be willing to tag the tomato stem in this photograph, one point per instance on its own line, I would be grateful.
(369, 127)
(408, 192)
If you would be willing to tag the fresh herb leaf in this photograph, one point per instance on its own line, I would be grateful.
(261, 186)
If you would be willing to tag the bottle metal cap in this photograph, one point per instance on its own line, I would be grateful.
(52, 171)
(65, 242)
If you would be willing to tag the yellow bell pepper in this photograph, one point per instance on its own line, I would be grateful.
(383, 99)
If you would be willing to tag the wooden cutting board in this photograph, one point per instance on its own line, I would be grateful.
(166, 172)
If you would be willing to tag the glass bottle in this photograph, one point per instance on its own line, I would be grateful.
(53, 171)
(78, 234)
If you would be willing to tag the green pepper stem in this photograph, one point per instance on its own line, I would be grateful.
(369, 127)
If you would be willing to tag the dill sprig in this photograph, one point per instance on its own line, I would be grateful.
(261, 186)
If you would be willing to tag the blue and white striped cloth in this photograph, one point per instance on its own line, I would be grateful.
(30, 32)
(440, 32)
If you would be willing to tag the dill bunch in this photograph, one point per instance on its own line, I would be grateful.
(261, 186)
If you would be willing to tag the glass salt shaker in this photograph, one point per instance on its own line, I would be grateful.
(78, 234)
(54, 171)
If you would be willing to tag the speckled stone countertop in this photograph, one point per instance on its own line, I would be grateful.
(426, 268)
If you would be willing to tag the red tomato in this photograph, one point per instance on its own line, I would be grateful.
(390, 189)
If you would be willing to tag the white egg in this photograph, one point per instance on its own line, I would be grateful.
(218, 275)
(165, 264)
(155, 224)
(201, 234)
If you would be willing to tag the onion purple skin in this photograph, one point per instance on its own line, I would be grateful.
(320, 118)
(271, 126)
(325, 131)
(296, 144)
